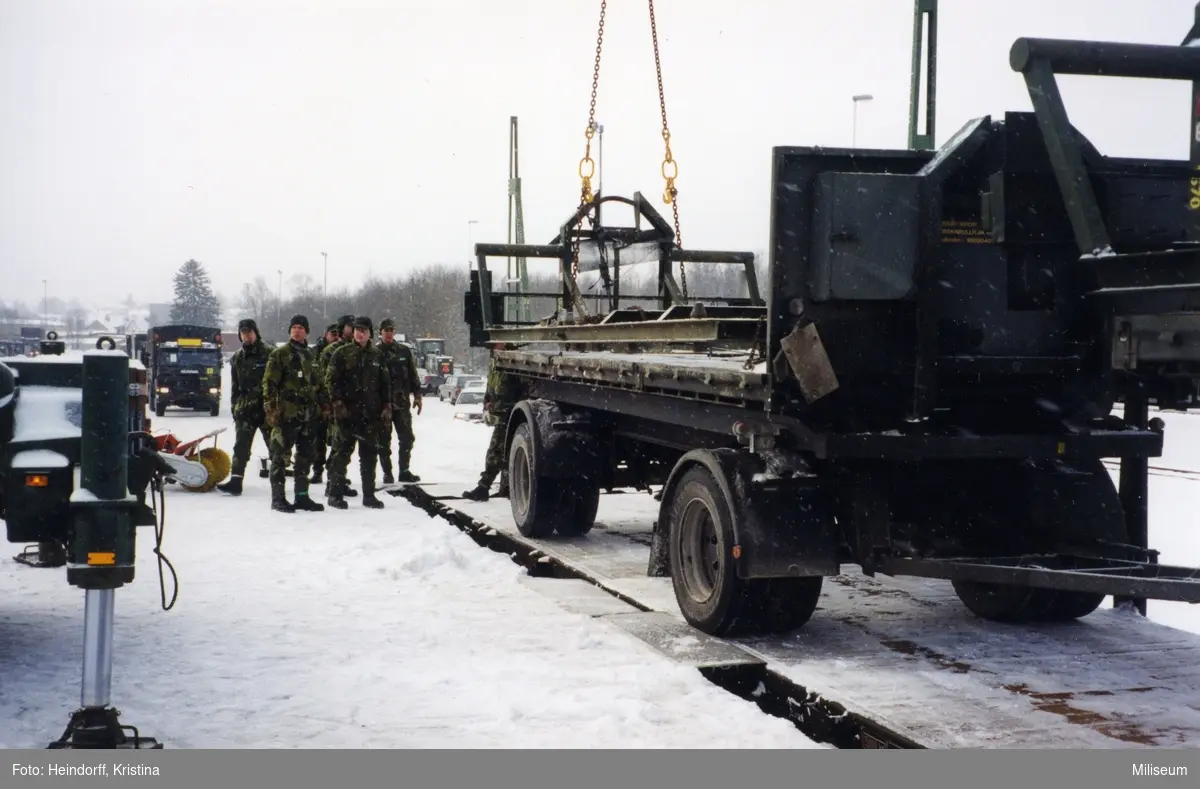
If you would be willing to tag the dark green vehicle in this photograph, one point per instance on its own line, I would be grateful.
(184, 366)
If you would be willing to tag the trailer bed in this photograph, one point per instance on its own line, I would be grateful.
(903, 652)
(684, 373)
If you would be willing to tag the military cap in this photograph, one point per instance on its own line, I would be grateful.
(363, 322)
(387, 323)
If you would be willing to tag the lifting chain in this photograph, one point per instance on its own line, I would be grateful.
(669, 169)
(587, 167)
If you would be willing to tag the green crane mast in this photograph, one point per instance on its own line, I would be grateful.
(921, 136)
(516, 232)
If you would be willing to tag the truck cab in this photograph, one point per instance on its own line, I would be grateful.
(185, 368)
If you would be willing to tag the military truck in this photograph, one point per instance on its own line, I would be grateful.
(431, 357)
(185, 364)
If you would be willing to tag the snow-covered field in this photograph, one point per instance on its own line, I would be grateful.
(359, 628)
(387, 628)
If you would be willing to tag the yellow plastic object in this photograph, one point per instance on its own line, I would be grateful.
(218, 464)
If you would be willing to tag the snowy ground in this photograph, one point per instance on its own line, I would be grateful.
(359, 628)
(390, 629)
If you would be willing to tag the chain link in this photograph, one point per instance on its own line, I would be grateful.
(587, 167)
(669, 169)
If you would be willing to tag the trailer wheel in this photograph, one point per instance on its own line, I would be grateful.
(215, 409)
(584, 500)
(1004, 602)
(538, 503)
(160, 408)
(709, 592)
(1087, 509)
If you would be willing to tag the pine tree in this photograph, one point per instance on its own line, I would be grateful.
(195, 301)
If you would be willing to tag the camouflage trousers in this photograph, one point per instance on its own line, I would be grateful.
(286, 437)
(244, 442)
(345, 439)
(321, 446)
(402, 421)
(495, 461)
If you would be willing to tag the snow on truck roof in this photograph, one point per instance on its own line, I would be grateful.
(45, 413)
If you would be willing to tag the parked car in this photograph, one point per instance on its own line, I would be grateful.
(469, 404)
(426, 380)
(454, 384)
(447, 386)
(463, 382)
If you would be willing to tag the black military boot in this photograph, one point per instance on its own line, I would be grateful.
(316, 478)
(369, 499)
(264, 470)
(502, 491)
(347, 491)
(233, 487)
(333, 495)
(407, 476)
(477, 493)
(304, 502)
(279, 502)
(386, 465)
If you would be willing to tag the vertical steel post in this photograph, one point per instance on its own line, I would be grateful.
(924, 11)
(101, 555)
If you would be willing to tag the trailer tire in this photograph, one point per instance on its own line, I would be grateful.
(584, 502)
(538, 503)
(711, 595)
(1005, 602)
(1093, 501)
(215, 409)
(160, 408)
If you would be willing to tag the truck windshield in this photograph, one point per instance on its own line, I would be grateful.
(199, 357)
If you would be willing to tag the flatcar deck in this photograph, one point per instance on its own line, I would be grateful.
(904, 653)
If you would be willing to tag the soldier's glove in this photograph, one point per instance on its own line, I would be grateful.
(417, 403)
(339, 410)
(386, 413)
(272, 416)
(325, 412)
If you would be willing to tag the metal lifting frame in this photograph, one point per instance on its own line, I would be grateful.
(674, 322)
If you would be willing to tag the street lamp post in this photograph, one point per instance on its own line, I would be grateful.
(859, 98)
(279, 297)
(45, 304)
(325, 292)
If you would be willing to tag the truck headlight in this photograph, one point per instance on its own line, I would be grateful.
(163, 390)
(213, 390)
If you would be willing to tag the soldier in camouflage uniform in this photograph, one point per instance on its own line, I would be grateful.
(293, 405)
(503, 394)
(319, 437)
(360, 399)
(345, 325)
(406, 392)
(246, 371)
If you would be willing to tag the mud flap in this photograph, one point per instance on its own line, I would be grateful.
(782, 520)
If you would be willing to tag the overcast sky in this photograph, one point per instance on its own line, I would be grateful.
(253, 135)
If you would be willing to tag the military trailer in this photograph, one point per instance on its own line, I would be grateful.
(951, 343)
(185, 368)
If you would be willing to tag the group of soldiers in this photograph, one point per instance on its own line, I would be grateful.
(321, 403)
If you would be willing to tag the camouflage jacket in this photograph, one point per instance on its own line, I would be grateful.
(325, 354)
(246, 371)
(290, 386)
(503, 393)
(357, 379)
(401, 367)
